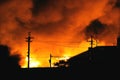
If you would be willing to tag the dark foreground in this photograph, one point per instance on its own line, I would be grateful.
(77, 73)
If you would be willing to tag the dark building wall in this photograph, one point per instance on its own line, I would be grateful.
(101, 55)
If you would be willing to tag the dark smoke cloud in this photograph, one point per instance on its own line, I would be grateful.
(95, 28)
(39, 5)
(56, 16)
(3, 1)
(117, 4)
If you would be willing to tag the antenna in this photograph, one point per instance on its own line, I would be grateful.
(29, 40)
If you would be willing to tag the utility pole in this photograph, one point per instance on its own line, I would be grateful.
(29, 40)
(97, 42)
(91, 41)
(90, 49)
(50, 60)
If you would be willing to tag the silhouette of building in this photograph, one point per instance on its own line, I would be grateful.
(102, 56)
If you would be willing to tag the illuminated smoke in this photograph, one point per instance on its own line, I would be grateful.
(58, 27)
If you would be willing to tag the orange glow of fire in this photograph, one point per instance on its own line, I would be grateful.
(43, 60)
(33, 63)
(55, 26)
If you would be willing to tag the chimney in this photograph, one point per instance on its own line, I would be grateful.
(118, 41)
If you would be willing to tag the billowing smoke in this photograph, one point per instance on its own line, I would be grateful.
(58, 27)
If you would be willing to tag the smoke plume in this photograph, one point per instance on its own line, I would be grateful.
(58, 27)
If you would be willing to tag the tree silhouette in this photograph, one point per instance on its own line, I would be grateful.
(6, 60)
(61, 63)
(9, 64)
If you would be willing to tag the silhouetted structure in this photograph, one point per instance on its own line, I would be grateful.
(29, 40)
(91, 41)
(118, 41)
(100, 55)
(9, 64)
(50, 60)
(61, 63)
(7, 60)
